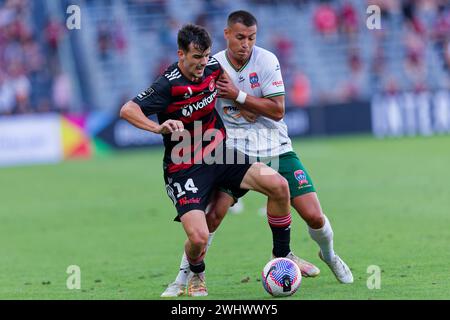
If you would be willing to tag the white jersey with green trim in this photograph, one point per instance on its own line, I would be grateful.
(259, 77)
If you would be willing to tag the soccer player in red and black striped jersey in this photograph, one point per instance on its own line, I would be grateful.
(184, 100)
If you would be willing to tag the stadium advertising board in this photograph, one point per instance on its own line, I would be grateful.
(335, 119)
(409, 114)
(30, 139)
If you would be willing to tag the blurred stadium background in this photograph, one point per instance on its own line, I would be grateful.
(61, 89)
(328, 55)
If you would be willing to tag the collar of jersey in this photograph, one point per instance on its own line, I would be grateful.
(232, 65)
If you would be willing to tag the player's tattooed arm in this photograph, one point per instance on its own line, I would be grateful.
(272, 108)
(134, 115)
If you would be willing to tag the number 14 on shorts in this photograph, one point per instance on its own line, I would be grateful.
(180, 191)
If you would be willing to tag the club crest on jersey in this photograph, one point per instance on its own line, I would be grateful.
(301, 177)
(145, 94)
(212, 85)
(254, 80)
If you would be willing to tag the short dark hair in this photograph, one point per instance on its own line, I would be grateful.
(197, 35)
(244, 17)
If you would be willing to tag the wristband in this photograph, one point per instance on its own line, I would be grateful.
(241, 97)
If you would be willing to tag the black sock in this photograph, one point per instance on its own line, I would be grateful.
(281, 241)
(197, 268)
(281, 233)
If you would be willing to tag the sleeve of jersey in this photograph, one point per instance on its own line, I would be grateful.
(156, 98)
(272, 84)
(215, 66)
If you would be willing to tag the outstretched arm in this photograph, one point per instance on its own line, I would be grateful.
(134, 115)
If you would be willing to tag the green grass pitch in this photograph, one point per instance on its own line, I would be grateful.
(388, 202)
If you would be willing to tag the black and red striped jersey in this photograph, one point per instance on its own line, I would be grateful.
(173, 96)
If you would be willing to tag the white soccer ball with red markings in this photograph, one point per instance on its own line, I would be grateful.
(281, 277)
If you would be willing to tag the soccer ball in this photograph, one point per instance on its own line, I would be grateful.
(281, 277)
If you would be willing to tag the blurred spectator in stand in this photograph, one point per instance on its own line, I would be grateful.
(111, 39)
(168, 34)
(441, 32)
(62, 92)
(32, 55)
(22, 88)
(53, 34)
(446, 81)
(411, 18)
(414, 63)
(119, 38)
(377, 68)
(300, 90)
(35, 65)
(391, 86)
(205, 20)
(348, 20)
(447, 55)
(387, 7)
(7, 97)
(441, 28)
(283, 49)
(104, 41)
(325, 20)
(353, 88)
(202, 20)
(390, 10)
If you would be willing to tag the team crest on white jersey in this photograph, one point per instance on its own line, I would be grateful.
(254, 80)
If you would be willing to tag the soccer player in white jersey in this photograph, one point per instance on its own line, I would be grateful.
(251, 106)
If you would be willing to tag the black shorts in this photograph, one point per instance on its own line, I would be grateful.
(191, 189)
(235, 193)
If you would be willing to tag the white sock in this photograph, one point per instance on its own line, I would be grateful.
(183, 274)
(210, 239)
(324, 238)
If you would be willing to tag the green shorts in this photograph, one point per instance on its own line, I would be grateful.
(292, 169)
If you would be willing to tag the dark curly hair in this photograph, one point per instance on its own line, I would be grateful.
(194, 34)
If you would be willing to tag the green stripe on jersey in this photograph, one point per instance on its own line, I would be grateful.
(274, 95)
